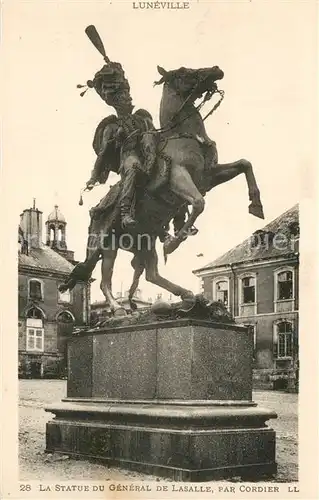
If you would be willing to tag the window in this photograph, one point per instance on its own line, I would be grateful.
(262, 238)
(294, 228)
(35, 332)
(65, 297)
(65, 317)
(285, 285)
(284, 339)
(34, 313)
(35, 339)
(248, 290)
(221, 292)
(35, 290)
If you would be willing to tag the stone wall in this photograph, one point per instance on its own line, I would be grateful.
(34, 365)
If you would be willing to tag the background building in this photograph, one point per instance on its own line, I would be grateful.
(46, 317)
(258, 281)
(101, 310)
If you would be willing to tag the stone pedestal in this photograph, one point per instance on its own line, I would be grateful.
(170, 398)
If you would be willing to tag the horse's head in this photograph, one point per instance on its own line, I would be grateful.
(191, 82)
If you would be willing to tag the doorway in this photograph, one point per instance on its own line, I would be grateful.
(35, 369)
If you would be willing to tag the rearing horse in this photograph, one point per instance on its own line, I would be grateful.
(195, 167)
(194, 170)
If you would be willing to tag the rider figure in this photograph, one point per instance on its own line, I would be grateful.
(122, 143)
(125, 144)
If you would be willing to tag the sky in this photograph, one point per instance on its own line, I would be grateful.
(266, 50)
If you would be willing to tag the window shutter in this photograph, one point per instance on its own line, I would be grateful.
(275, 342)
(275, 349)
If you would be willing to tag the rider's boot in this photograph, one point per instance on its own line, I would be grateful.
(128, 198)
(127, 220)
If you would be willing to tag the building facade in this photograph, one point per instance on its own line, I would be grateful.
(258, 281)
(46, 317)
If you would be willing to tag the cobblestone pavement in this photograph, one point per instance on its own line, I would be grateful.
(35, 464)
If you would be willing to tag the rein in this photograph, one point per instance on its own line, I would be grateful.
(208, 95)
(206, 98)
(218, 103)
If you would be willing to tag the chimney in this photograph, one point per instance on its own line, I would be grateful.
(31, 225)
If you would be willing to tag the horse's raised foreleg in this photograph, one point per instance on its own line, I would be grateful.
(108, 259)
(225, 172)
(183, 186)
(83, 270)
(152, 275)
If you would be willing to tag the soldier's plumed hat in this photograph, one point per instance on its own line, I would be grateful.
(110, 83)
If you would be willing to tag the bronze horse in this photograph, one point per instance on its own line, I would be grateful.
(191, 158)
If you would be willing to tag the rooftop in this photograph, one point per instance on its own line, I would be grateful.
(45, 258)
(261, 245)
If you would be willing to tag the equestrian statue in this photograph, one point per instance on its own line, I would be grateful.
(162, 172)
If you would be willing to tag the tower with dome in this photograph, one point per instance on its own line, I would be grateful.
(47, 318)
(56, 233)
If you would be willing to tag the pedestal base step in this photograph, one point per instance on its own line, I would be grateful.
(185, 443)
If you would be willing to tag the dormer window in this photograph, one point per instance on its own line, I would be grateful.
(294, 228)
(261, 238)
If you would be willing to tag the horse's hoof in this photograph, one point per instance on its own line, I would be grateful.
(192, 231)
(170, 245)
(133, 305)
(120, 312)
(256, 210)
